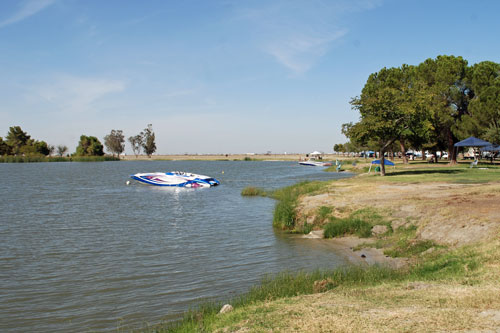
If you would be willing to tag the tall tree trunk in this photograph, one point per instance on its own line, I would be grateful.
(452, 152)
(403, 151)
(382, 163)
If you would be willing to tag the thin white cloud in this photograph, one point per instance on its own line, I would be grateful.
(29, 8)
(77, 94)
(299, 53)
(297, 33)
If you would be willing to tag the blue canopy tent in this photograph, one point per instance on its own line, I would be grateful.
(494, 151)
(491, 148)
(472, 142)
(386, 162)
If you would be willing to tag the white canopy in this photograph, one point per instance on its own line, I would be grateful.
(316, 153)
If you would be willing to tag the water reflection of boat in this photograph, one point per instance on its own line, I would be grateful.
(175, 178)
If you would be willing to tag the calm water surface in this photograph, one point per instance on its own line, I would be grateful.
(82, 251)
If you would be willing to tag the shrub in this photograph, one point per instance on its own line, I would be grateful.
(284, 213)
(324, 211)
(409, 247)
(251, 191)
(348, 226)
(307, 228)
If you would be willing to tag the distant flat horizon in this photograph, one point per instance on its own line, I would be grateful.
(217, 76)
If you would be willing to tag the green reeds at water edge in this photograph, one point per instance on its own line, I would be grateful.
(459, 264)
(251, 191)
(284, 212)
(93, 158)
(41, 158)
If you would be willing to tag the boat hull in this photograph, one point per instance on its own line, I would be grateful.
(175, 179)
(315, 163)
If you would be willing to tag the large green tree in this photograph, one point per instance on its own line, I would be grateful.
(483, 119)
(115, 142)
(447, 86)
(19, 142)
(136, 143)
(148, 143)
(4, 147)
(89, 146)
(390, 107)
(16, 139)
(61, 150)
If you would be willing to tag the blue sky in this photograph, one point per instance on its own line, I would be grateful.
(223, 76)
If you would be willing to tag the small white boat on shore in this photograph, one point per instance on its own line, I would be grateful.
(315, 163)
(175, 178)
(315, 159)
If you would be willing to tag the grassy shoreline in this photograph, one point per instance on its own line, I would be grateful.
(283, 302)
(41, 158)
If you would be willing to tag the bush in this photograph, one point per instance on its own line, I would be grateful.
(251, 191)
(408, 248)
(349, 226)
(324, 212)
(284, 213)
(307, 228)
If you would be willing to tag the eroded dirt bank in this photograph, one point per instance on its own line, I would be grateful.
(446, 213)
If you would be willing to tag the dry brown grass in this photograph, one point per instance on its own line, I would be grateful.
(451, 214)
(427, 307)
(470, 304)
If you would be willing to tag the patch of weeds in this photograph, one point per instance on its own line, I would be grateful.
(307, 228)
(322, 215)
(404, 243)
(378, 244)
(369, 215)
(284, 211)
(359, 223)
(302, 188)
(323, 285)
(348, 226)
(409, 247)
(251, 191)
(342, 209)
(445, 265)
(324, 211)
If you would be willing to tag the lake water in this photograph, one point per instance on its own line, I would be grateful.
(82, 251)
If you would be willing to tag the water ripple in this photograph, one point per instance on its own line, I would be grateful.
(81, 251)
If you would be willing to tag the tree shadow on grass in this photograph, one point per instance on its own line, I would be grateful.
(425, 172)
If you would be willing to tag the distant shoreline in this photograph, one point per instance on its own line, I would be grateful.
(222, 157)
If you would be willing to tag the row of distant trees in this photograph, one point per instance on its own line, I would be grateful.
(145, 140)
(430, 106)
(18, 142)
